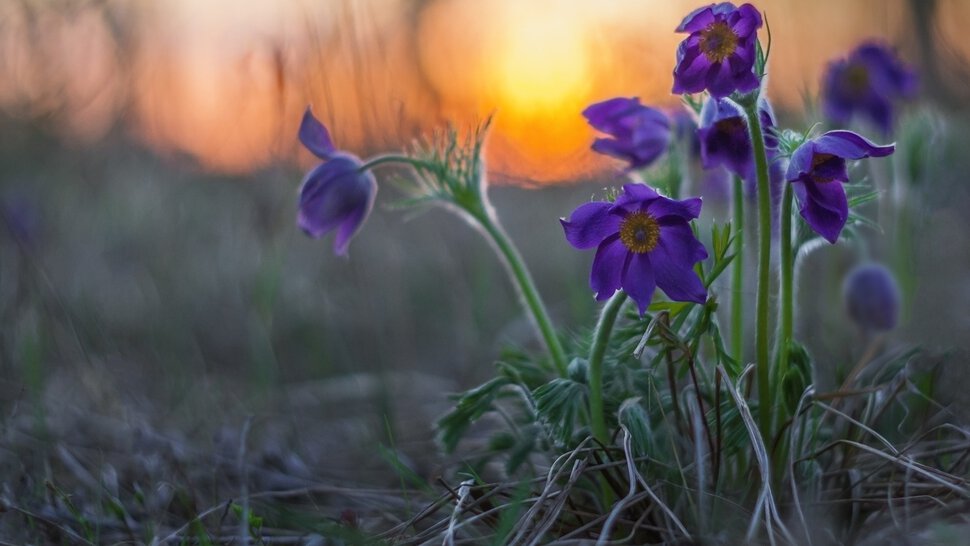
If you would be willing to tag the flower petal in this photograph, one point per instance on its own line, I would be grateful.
(608, 265)
(352, 222)
(850, 145)
(673, 264)
(315, 137)
(746, 81)
(612, 148)
(800, 163)
(748, 21)
(698, 19)
(681, 244)
(720, 80)
(691, 69)
(589, 224)
(636, 195)
(313, 194)
(727, 142)
(823, 206)
(603, 115)
(640, 133)
(673, 210)
(639, 282)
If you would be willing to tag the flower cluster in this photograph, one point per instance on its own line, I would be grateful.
(644, 240)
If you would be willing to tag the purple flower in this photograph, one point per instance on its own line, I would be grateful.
(643, 240)
(872, 297)
(720, 51)
(817, 169)
(337, 194)
(640, 133)
(724, 136)
(867, 83)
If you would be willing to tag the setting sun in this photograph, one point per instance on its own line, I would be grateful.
(224, 87)
(542, 65)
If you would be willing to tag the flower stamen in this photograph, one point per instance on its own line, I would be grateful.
(819, 160)
(639, 232)
(718, 41)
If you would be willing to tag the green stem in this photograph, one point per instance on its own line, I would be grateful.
(527, 288)
(787, 274)
(601, 338)
(390, 158)
(737, 275)
(481, 211)
(763, 363)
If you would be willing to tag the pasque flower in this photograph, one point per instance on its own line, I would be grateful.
(724, 136)
(643, 240)
(867, 83)
(817, 169)
(719, 53)
(640, 134)
(335, 195)
(872, 297)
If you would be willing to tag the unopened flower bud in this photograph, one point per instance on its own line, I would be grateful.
(872, 297)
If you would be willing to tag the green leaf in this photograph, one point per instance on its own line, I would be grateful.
(632, 415)
(469, 407)
(672, 307)
(856, 200)
(560, 404)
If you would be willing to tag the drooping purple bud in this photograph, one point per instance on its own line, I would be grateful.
(818, 168)
(336, 195)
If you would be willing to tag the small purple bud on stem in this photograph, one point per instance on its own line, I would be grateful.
(872, 297)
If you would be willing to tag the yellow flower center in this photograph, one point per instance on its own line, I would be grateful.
(718, 41)
(639, 232)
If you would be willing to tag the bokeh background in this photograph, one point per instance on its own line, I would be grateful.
(154, 286)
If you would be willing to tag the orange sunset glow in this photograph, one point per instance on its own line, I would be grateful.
(224, 83)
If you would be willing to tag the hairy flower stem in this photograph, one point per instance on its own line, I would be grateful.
(478, 207)
(786, 308)
(737, 275)
(390, 158)
(527, 289)
(765, 393)
(601, 337)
